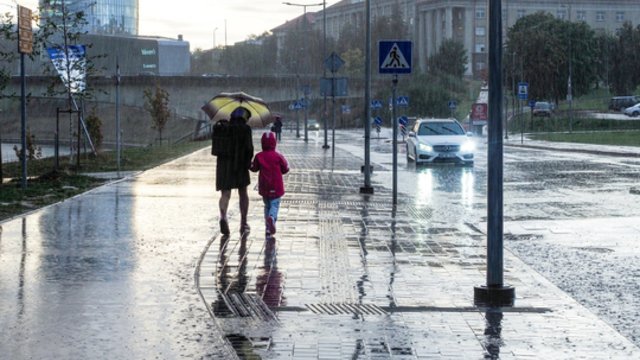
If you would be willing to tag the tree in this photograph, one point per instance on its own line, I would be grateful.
(543, 50)
(61, 27)
(451, 59)
(94, 126)
(354, 63)
(157, 104)
(302, 50)
(605, 44)
(625, 75)
(7, 55)
(255, 56)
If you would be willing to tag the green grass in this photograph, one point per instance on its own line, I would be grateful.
(46, 186)
(625, 138)
(42, 191)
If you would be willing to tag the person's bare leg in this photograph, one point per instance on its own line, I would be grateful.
(244, 205)
(223, 205)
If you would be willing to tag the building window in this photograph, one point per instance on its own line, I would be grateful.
(481, 65)
(581, 15)
(521, 13)
(480, 13)
(479, 48)
(480, 31)
(620, 16)
(561, 14)
(600, 16)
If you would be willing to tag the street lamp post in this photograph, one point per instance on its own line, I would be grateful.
(304, 19)
(324, 73)
(569, 84)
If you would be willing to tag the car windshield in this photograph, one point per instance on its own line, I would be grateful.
(542, 105)
(440, 128)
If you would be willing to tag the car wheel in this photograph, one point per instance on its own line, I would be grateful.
(635, 113)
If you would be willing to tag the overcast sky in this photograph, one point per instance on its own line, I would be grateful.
(196, 20)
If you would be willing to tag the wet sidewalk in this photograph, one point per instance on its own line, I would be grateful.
(110, 275)
(346, 277)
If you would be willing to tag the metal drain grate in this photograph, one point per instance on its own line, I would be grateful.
(247, 305)
(345, 309)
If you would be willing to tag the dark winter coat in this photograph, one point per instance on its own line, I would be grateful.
(232, 171)
(271, 165)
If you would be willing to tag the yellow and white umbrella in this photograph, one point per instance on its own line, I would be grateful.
(223, 104)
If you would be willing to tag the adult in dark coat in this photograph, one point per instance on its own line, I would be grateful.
(277, 128)
(232, 171)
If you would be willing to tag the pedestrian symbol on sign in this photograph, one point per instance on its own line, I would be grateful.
(394, 57)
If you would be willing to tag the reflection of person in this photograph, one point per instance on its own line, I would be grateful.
(232, 171)
(277, 128)
(269, 281)
(271, 165)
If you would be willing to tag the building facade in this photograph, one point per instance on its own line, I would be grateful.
(113, 17)
(467, 21)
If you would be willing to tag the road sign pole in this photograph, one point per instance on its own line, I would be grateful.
(367, 188)
(395, 140)
(23, 117)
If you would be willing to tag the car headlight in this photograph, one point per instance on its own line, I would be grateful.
(468, 147)
(425, 147)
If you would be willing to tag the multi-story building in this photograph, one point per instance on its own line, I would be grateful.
(467, 22)
(432, 21)
(112, 29)
(102, 16)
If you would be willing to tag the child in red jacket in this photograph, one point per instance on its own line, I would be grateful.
(271, 165)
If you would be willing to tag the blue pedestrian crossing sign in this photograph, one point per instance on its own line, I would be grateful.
(394, 57)
(376, 104)
(402, 101)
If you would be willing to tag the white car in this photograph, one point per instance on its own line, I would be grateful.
(439, 140)
(632, 110)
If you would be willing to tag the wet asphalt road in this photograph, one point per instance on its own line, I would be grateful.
(589, 199)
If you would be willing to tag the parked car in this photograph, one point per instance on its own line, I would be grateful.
(439, 140)
(617, 103)
(632, 110)
(312, 124)
(542, 108)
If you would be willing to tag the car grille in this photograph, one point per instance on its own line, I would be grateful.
(446, 148)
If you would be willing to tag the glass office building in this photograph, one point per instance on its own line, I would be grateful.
(102, 16)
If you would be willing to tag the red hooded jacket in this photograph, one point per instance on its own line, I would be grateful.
(271, 165)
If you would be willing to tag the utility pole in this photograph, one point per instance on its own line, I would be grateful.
(305, 91)
(495, 293)
(367, 189)
(324, 72)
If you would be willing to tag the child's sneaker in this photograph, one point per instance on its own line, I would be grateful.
(271, 225)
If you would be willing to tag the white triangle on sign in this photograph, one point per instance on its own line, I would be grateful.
(395, 59)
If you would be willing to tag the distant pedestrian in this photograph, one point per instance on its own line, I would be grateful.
(232, 169)
(271, 165)
(277, 128)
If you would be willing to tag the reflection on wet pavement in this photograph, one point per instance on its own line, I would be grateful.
(362, 281)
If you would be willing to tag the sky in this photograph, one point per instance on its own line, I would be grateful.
(199, 20)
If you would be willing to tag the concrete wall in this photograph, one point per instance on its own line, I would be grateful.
(186, 96)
